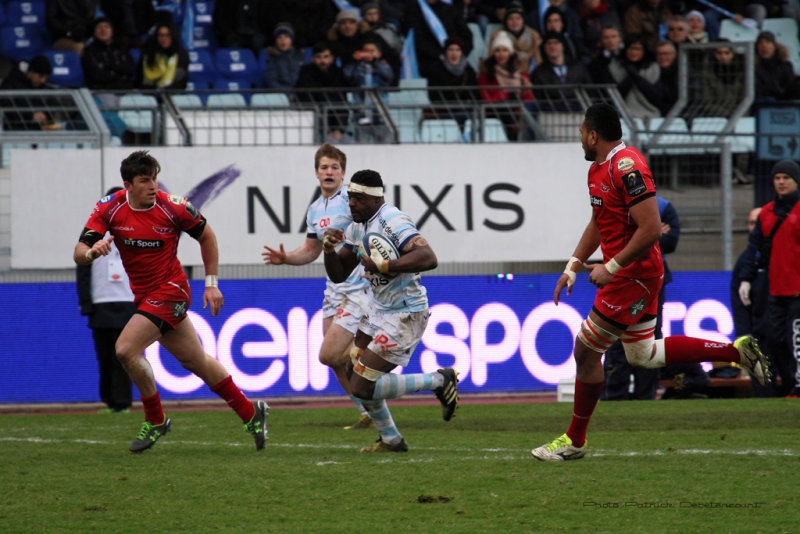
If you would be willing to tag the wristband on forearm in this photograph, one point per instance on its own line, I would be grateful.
(212, 280)
(612, 266)
(89, 256)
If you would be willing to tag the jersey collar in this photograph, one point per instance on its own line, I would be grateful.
(614, 151)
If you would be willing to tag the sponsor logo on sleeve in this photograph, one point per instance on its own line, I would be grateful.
(625, 164)
(596, 202)
(634, 183)
(176, 199)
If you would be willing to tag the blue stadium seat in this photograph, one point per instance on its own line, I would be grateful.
(237, 64)
(204, 37)
(203, 12)
(136, 53)
(478, 45)
(201, 67)
(67, 70)
(28, 12)
(21, 42)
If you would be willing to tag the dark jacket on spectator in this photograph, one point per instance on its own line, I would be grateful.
(107, 67)
(775, 77)
(283, 67)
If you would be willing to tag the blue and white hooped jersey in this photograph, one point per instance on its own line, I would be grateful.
(404, 292)
(334, 212)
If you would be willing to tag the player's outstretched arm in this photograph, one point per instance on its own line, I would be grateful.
(209, 251)
(305, 253)
(339, 264)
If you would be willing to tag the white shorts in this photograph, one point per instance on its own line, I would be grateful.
(350, 308)
(397, 334)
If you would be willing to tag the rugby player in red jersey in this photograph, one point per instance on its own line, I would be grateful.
(626, 225)
(145, 225)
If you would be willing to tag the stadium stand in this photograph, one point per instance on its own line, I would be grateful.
(67, 70)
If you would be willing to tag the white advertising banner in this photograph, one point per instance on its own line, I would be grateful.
(508, 202)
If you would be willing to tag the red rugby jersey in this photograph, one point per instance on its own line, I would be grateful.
(147, 239)
(615, 185)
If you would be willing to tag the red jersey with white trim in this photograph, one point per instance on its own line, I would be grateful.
(147, 239)
(622, 181)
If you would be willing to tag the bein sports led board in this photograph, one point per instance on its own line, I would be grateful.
(502, 333)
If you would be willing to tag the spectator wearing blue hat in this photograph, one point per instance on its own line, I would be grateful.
(283, 59)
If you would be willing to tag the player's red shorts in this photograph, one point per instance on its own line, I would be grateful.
(167, 305)
(626, 300)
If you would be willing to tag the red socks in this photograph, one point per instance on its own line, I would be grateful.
(152, 409)
(683, 349)
(586, 397)
(235, 398)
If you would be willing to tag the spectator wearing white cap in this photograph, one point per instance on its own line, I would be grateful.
(697, 27)
(501, 72)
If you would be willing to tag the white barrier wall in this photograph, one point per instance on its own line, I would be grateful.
(472, 202)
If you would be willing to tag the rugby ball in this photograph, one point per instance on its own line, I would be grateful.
(384, 247)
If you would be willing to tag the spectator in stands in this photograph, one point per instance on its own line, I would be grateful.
(426, 44)
(697, 27)
(107, 64)
(242, 24)
(372, 21)
(572, 23)
(557, 70)
(723, 82)
(554, 21)
(6, 67)
(527, 41)
(595, 16)
(666, 57)
(323, 73)
(31, 76)
(637, 77)
(164, 62)
(283, 59)
(677, 30)
(70, 23)
(612, 49)
(775, 77)
(369, 70)
(345, 36)
(501, 69)
(131, 19)
(644, 18)
(773, 245)
(453, 71)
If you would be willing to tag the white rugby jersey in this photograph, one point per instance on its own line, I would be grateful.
(403, 292)
(334, 212)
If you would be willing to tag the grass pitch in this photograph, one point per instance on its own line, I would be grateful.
(663, 466)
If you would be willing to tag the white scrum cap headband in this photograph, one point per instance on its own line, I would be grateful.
(358, 188)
